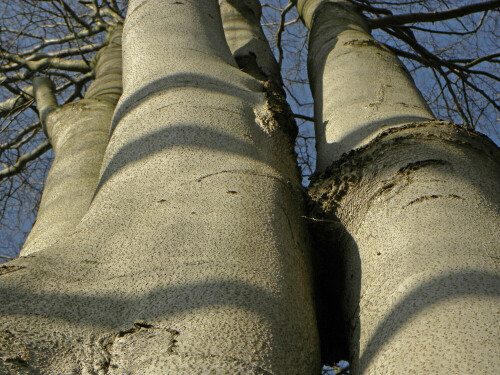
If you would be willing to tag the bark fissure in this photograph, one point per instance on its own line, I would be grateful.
(115, 350)
(433, 196)
(365, 43)
(411, 167)
(346, 172)
(286, 182)
(8, 269)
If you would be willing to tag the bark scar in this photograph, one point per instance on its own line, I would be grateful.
(434, 196)
(13, 350)
(411, 167)
(8, 269)
(118, 347)
(365, 43)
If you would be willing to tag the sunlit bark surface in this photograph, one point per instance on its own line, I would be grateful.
(78, 133)
(192, 258)
(415, 208)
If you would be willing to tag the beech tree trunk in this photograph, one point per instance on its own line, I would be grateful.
(192, 257)
(413, 210)
(79, 134)
(171, 238)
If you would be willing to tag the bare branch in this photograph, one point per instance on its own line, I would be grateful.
(303, 117)
(35, 66)
(279, 33)
(481, 22)
(19, 139)
(67, 52)
(46, 101)
(12, 105)
(402, 19)
(471, 62)
(96, 29)
(24, 159)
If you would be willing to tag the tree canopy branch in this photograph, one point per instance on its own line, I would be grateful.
(402, 19)
(24, 159)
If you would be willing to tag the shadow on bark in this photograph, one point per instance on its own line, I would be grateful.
(96, 317)
(108, 309)
(352, 140)
(441, 288)
(181, 81)
(338, 282)
(177, 135)
(186, 134)
(58, 316)
(435, 153)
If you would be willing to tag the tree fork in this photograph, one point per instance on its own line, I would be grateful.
(403, 193)
(415, 211)
(192, 257)
(253, 55)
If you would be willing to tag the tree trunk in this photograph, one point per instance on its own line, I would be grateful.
(192, 258)
(246, 39)
(78, 133)
(414, 209)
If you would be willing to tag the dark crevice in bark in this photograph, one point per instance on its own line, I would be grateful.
(342, 194)
(8, 269)
(327, 234)
(434, 196)
(329, 278)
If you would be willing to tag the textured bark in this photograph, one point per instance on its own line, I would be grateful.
(412, 212)
(251, 51)
(358, 85)
(192, 258)
(78, 133)
(417, 214)
(246, 39)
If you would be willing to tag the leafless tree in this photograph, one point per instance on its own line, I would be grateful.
(57, 39)
(451, 48)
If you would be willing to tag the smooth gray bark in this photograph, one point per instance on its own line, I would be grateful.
(417, 220)
(78, 133)
(192, 258)
(358, 85)
(415, 208)
(246, 39)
